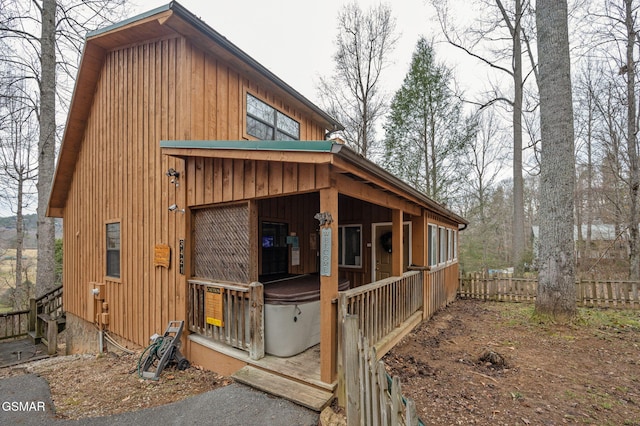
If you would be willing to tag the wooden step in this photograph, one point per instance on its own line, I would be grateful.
(300, 393)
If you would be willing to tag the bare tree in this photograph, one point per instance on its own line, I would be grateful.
(18, 162)
(500, 41)
(46, 37)
(353, 94)
(556, 295)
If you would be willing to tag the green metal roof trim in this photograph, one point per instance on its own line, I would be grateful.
(306, 146)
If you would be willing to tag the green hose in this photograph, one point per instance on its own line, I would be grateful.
(153, 352)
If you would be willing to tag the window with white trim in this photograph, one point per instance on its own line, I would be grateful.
(350, 246)
(455, 245)
(449, 245)
(443, 245)
(432, 245)
(264, 122)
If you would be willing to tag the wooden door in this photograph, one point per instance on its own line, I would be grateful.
(382, 255)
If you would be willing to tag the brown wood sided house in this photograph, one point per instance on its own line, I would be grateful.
(196, 185)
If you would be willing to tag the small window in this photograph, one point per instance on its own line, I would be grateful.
(350, 246)
(433, 245)
(455, 245)
(266, 123)
(113, 250)
(449, 244)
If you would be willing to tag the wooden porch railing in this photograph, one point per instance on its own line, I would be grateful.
(40, 320)
(589, 293)
(242, 315)
(383, 305)
(45, 313)
(14, 324)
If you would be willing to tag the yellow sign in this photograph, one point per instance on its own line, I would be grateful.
(213, 306)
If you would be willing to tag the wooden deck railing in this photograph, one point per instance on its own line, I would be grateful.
(383, 305)
(242, 315)
(14, 324)
(589, 293)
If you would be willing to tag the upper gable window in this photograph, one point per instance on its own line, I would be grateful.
(266, 123)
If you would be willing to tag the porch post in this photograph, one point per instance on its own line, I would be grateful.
(329, 289)
(396, 243)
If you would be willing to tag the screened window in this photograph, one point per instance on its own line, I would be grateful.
(266, 123)
(449, 244)
(113, 250)
(350, 245)
(433, 245)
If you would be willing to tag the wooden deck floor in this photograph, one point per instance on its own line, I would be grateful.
(304, 367)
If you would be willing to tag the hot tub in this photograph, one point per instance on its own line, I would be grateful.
(292, 314)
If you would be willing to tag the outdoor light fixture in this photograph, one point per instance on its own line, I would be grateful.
(173, 173)
(174, 207)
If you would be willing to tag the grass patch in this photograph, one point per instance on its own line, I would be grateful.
(610, 319)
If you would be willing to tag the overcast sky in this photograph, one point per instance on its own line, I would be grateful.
(295, 39)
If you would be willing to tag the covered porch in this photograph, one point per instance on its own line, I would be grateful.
(263, 215)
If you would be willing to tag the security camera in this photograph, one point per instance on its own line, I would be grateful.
(173, 207)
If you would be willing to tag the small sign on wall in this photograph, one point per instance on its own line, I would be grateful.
(295, 256)
(161, 255)
(213, 306)
(325, 252)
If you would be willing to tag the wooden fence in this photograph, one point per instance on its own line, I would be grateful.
(383, 305)
(370, 400)
(589, 293)
(242, 324)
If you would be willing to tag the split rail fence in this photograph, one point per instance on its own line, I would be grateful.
(589, 293)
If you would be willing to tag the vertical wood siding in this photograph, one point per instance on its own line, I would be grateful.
(164, 89)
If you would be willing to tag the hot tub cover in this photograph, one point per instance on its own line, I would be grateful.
(296, 290)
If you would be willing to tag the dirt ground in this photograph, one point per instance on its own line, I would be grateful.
(474, 363)
(486, 363)
(91, 386)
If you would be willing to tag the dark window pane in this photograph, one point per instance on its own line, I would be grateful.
(113, 263)
(258, 129)
(113, 250)
(288, 126)
(352, 245)
(260, 110)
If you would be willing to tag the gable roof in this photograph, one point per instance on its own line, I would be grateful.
(169, 19)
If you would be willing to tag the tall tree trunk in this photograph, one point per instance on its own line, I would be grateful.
(634, 250)
(21, 292)
(556, 296)
(518, 183)
(46, 149)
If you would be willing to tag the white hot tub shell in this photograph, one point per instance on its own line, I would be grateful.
(292, 314)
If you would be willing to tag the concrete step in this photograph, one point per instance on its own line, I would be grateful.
(300, 393)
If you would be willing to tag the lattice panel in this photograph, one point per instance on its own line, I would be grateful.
(221, 243)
